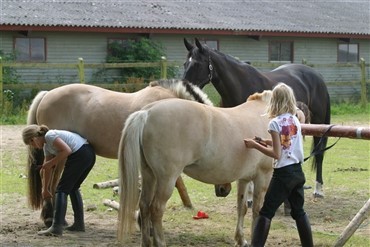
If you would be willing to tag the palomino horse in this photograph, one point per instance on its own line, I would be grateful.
(235, 81)
(98, 115)
(173, 136)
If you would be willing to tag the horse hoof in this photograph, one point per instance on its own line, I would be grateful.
(48, 222)
(316, 195)
(244, 244)
(307, 187)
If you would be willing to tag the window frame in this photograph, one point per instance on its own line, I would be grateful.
(29, 52)
(122, 40)
(347, 52)
(271, 42)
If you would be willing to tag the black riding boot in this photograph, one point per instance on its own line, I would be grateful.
(260, 231)
(56, 228)
(78, 211)
(304, 231)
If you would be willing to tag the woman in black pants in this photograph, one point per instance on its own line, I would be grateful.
(58, 146)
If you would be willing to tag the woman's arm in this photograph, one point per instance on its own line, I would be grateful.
(273, 149)
(63, 151)
(45, 180)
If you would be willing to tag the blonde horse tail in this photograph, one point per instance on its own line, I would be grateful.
(35, 159)
(32, 111)
(129, 160)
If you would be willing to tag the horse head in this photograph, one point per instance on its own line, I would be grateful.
(222, 190)
(197, 67)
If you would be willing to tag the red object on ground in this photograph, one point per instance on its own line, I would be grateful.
(200, 215)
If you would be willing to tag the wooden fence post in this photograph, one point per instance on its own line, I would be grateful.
(163, 68)
(81, 70)
(1, 85)
(355, 223)
(363, 83)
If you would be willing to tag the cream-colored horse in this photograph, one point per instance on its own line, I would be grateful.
(97, 114)
(173, 136)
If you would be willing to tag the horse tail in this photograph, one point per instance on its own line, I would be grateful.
(35, 159)
(32, 111)
(129, 160)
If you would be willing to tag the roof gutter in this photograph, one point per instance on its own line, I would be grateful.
(254, 33)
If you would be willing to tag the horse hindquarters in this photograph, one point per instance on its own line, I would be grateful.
(130, 161)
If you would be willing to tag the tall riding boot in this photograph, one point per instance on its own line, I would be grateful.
(56, 228)
(260, 231)
(77, 206)
(304, 231)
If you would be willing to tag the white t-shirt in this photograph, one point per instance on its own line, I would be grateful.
(73, 140)
(289, 129)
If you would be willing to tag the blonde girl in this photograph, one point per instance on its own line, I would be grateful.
(286, 147)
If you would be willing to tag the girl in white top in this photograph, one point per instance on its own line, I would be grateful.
(287, 182)
(79, 157)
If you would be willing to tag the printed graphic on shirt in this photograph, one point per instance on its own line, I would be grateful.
(288, 132)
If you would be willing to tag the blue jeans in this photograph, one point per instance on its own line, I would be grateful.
(286, 183)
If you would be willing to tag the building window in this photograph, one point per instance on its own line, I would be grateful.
(281, 51)
(348, 53)
(115, 46)
(30, 49)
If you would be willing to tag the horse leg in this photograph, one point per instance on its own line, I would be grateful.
(261, 183)
(241, 211)
(181, 188)
(319, 193)
(318, 161)
(47, 211)
(163, 193)
(250, 188)
(148, 183)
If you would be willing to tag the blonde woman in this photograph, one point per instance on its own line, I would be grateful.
(287, 182)
(60, 145)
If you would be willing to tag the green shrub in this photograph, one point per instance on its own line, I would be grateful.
(142, 50)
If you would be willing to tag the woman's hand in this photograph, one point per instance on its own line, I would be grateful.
(48, 165)
(253, 143)
(250, 143)
(46, 194)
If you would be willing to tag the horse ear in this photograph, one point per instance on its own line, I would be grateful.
(199, 45)
(188, 46)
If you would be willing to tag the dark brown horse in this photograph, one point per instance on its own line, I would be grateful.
(236, 80)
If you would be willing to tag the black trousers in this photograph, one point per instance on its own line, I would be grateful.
(77, 167)
(286, 183)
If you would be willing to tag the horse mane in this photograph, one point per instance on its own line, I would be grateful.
(183, 89)
(265, 96)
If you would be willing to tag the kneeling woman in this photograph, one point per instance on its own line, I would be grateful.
(60, 145)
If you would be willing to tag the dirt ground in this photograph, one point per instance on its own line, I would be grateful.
(20, 224)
